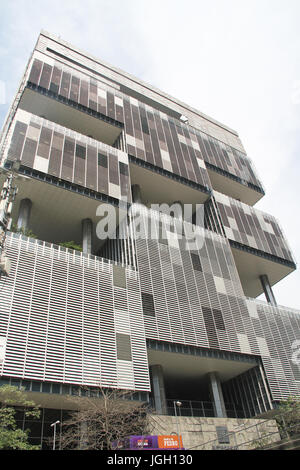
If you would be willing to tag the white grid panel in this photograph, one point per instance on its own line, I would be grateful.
(60, 324)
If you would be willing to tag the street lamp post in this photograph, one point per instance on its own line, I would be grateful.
(177, 403)
(53, 425)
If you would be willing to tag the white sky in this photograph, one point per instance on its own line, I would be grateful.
(235, 60)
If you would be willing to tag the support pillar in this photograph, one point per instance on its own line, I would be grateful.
(217, 394)
(24, 214)
(268, 290)
(87, 233)
(158, 389)
(136, 193)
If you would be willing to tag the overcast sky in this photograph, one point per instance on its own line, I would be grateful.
(235, 60)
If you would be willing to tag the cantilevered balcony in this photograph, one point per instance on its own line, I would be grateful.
(230, 171)
(56, 151)
(258, 244)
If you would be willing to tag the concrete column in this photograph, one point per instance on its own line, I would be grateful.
(24, 214)
(158, 389)
(136, 193)
(268, 290)
(87, 233)
(217, 394)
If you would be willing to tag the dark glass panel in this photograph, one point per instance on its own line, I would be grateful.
(79, 171)
(80, 151)
(46, 387)
(219, 322)
(113, 169)
(128, 118)
(102, 160)
(68, 159)
(44, 143)
(144, 121)
(136, 122)
(196, 262)
(154, 141)
(210, 327)
(91, 167)
(65, 84)
(35, 428)
(74, 92)
(102, 105)
(55, 80)
(111, 105)
(54, 162)
(15, 149)
(171, 149)
(36, 386)
(45, 76)
(51, 415)
(35, 71)
(119, 113)
(124, 184)
(180, 157)
(102, 179)
(84, 93)
(28, 153)
(148, 304)
(93, 96)
(123, 168)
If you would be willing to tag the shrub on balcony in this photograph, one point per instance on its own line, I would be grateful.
(72, 245)
(24, 231)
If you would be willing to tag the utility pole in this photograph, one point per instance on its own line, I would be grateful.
(7, 196)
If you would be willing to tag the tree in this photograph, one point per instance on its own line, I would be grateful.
(288, 417)
(100, 421)
(12, 437)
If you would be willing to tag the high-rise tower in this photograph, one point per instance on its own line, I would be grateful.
(145, 314)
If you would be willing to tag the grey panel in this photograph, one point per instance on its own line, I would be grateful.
(123, 347)
(119, 277)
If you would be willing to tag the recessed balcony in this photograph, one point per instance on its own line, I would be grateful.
(158, 188)
(57, 212)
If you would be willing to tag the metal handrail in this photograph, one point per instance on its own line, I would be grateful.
(192, 406)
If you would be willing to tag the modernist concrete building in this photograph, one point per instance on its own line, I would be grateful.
(144, 314)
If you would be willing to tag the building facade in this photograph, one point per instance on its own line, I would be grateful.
(139, 313)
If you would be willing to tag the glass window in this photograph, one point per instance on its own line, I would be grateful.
(46, 387)
(55, 388)
(36, 386)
